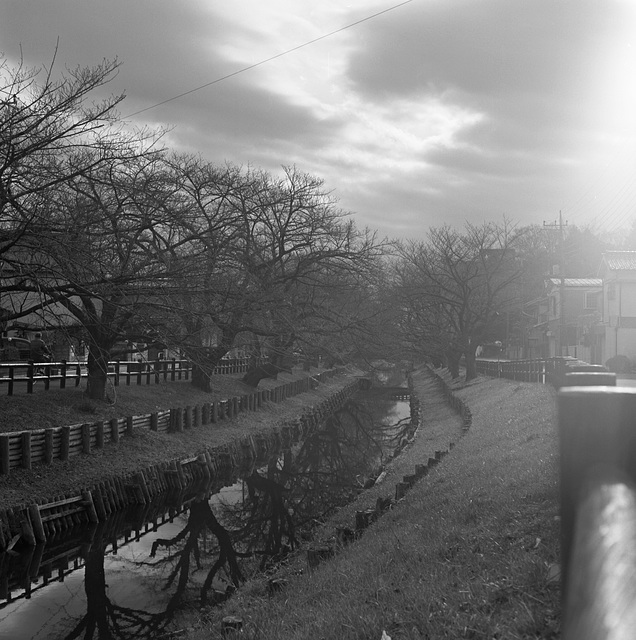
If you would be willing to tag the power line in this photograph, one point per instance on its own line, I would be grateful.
(274, 57)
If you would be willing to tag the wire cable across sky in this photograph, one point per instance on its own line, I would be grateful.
(274, 57)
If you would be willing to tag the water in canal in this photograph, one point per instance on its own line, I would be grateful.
(125, 578)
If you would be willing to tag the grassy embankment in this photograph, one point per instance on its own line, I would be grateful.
(470, 552)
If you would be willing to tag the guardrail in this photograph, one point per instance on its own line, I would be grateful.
(119, 372)
(597, 433)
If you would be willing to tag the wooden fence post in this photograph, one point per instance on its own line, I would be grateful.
(114, 430)
(65, 435)
(30, 374)
(11, 375)
(86, 438)
(63, 375)
(99, 434)
(4, 454)
(48, 445)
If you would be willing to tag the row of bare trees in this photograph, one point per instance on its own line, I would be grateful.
(455, 287)
(104, 229)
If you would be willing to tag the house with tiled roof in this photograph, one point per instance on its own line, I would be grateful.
(618, 330)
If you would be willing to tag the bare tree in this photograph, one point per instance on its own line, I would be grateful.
(456, 284)
(264, 257)
(50, 132)
(309, 265)
(96, 262)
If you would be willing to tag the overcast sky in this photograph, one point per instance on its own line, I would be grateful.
(436, 111)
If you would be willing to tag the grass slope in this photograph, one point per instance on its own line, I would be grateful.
(470, 552)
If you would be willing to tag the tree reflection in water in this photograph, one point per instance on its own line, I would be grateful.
(290, 495)
(105, 620)
(200, 520)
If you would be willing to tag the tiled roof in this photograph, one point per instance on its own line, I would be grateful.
(578, 282)
(620, 260)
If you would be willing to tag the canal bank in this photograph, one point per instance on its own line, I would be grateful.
(470, 551)
(465, 552)
(145, 447)
(54, 567)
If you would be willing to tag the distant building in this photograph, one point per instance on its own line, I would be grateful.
(564, 320)
(617, 333)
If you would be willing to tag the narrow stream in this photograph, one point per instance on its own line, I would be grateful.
(126, 577)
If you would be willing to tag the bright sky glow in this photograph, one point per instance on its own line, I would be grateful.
(435, 112)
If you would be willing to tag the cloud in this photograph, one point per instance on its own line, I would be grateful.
(530, 68)
(440, 110)
(488, 48)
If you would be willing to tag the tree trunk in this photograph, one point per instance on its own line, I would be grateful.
(204, 361)
(201, 378)
(471, 365)
(97, 372)
(453, 358)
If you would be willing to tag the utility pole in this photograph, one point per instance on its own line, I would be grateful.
(561, 331)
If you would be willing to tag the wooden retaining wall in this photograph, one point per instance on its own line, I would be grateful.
(36, 523)
(22, 449)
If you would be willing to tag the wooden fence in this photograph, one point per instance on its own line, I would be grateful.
(22, 449)
(119, 372)
(59, 532)
(48, 517)
(597, 432)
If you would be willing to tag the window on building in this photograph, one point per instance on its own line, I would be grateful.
(591, 300)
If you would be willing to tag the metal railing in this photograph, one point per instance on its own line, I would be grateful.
(544, 371)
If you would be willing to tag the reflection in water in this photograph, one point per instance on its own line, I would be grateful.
(222, 542)
(193, 537)
(104, 618)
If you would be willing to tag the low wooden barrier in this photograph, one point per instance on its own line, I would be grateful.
(23, 449)
(119, 372)
(38, 522)
(597, 435)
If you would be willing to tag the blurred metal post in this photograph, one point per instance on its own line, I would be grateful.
(597, 433)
